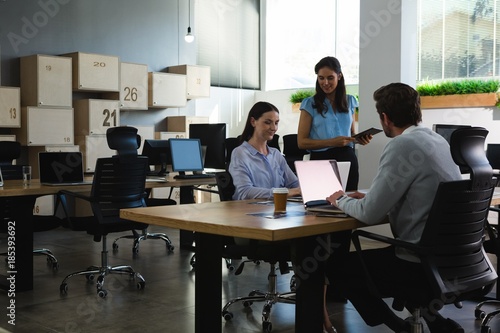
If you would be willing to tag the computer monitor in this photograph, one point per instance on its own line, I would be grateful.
(186, 155)
(213, 137)
(445, 130)
(493, 154)
(158, 153)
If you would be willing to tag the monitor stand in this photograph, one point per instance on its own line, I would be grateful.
(162, 173)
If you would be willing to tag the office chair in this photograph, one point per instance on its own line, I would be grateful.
(230, 144)
(292, 151)
(119, 182)
(274, 253)
(451, 247)
(9, 151)
(126, 141)
(274, 142)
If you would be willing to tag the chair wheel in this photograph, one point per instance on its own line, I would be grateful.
(135, 250)
(247, 304)
(102, 293)
(479, 314)
(293, 283)
(115, 246)
(227, 315)
(192, 262)
(267, 326)
(55, 266)
(90, 277)
(170, 248)
(141, 285)
(230, 267)
(63, 288)
(485, 329)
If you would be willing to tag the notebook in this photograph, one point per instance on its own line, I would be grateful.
(319, 179)
(61, 168)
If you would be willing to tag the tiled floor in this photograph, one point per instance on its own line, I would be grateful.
(166, 304)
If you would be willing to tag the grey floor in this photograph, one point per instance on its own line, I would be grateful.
(166, 304)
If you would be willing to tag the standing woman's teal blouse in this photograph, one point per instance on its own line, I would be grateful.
(331, 124)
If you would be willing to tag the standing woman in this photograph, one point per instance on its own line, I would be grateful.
(326, 123)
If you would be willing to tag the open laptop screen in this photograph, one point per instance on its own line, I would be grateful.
(60, 167)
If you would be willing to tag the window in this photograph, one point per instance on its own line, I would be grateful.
(458, 39)
(228, 41)
(299, 34)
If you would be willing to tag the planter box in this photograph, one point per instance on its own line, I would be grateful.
(458, 101)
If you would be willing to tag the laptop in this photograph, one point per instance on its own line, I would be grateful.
(318, 180)
(61, 168)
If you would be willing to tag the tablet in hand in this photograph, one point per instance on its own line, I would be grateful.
(370, 131)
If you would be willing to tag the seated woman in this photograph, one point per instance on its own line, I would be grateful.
(256, 168)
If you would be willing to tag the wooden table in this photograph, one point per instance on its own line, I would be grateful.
(22, 200)
(212, 221)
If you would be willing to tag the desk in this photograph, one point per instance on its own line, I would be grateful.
(22, 202)
(212, 221)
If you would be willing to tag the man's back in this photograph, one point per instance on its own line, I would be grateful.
(411, 167)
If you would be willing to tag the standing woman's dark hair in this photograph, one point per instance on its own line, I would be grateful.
(255, 112)
(340, 92)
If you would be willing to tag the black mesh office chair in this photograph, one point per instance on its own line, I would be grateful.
(230, 144)
(9, 151)
(274, 253)
(119, 182)
(126, 141)
(451, 247)
(292, 151)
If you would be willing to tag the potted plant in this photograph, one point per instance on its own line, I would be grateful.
(463, 93)
(298, 96)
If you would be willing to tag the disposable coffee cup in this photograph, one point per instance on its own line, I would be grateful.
(280, 195)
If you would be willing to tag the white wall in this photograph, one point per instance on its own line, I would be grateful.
(488, 118)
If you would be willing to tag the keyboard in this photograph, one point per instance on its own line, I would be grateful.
(194, 176)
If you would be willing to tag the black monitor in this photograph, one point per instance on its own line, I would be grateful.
(445, 130)
(493, 154)
(213, 137)
(186, 155)
(158, 153)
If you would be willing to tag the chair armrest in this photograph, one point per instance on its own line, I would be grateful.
(383, 239)
(75, 195)
(61, 197)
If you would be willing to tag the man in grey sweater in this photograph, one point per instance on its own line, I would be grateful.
(411, 167)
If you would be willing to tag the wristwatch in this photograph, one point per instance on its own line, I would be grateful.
(338, 200)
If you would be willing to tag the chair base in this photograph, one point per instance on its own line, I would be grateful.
(269, 298)
(102, 272)
(479, 313)
(143, 236)
(51, 259)
(229, 263)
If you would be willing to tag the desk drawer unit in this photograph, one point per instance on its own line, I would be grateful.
(166, 90)
(10, 107)
(43, 126)
(95, 72)
(133, 86)
(198, 79)
(95, 116)
(93, 147)
(46, 81)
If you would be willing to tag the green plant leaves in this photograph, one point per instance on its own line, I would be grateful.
(458, 87)
(300, 95)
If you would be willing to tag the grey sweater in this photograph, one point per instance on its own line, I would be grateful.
(411, 167)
